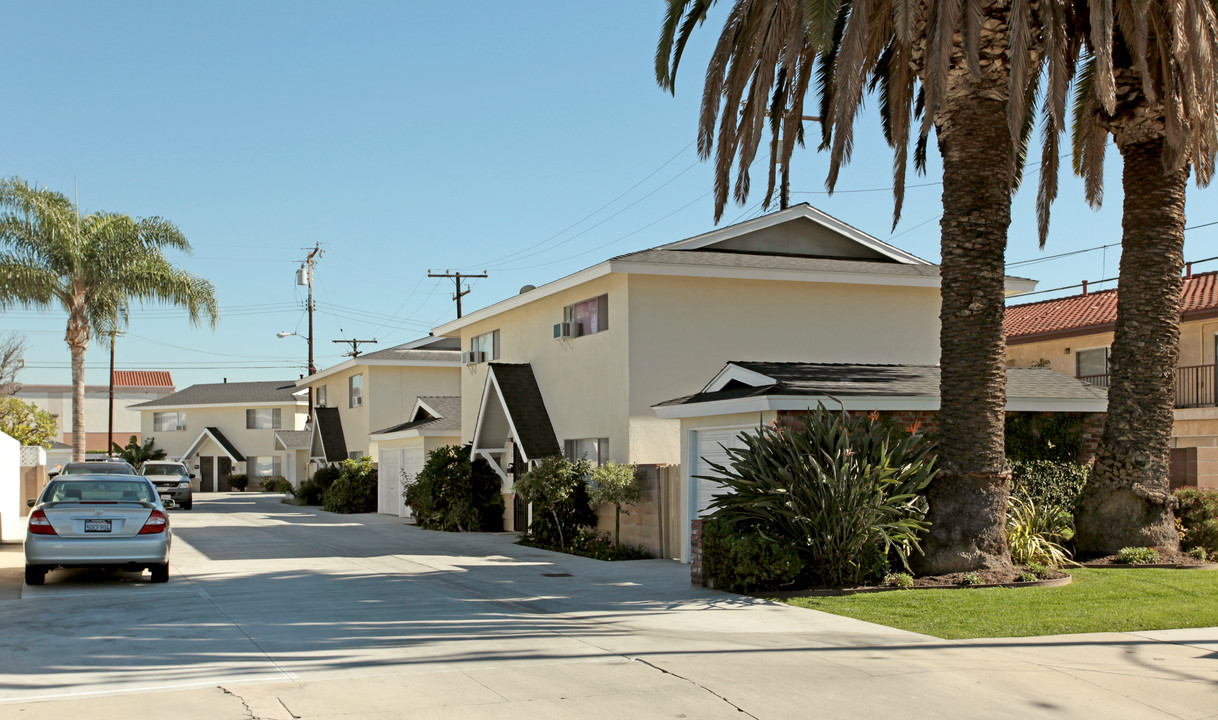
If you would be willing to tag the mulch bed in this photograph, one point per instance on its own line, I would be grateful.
(1167, 559)
(989, 579)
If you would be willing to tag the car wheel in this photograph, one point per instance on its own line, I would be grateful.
(187, 505)
(160, 573)
(35, 574)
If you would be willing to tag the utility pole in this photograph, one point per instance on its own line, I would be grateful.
(784, 188)
(315, 253)
(355, 345)
(110, 427)
(457, 277)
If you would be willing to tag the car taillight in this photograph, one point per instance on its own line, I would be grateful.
(156, 522)
(40, 525)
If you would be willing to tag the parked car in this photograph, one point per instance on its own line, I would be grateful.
(97, 467)
(104, 520)
(172, 480)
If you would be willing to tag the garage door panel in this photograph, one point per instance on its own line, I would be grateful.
(387, 479)
(413, 459)
(712, 446)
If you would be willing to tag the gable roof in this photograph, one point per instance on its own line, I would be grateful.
(431, 351)
(786, 386)
(512, 388)
(293, 439)
(1097, 311)
(431, 414)
(327, 443)
(798, 244)
(215, 434)
(141, 378)
(237, 393)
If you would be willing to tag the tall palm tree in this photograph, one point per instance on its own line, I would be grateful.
(92, 267)
(964, 68)
(1162, 114)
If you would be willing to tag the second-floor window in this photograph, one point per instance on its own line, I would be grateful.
(1092, 362)
(488, 343)
(263, 419)
(319, 396)
(355, 390)
(589, 317)
(168, 421)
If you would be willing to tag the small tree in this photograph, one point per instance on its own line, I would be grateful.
(26, 422)
(12, 352)
(135, 453)
(549, 485)
(616, 485)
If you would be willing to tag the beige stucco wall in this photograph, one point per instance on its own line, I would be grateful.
(230, 420)
(706, 323)
(390, 392)
(1059, 352)
(58, 401)
(583, 380)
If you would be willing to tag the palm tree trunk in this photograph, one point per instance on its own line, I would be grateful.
(968, 500)
(77, 338)
(1127, 501)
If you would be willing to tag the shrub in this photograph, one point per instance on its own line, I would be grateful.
(597, 545)
(285, 486)
(558, 490)
(739, 560)
(1042, 572)
(1199, 553)
(238, 482)
(1138, 555)
(1048, 482)
(902, 581)
(451, 493)
(1035, 533)
(615, 485)
(841, 489)
(313, 490)
(1028, 577)
(971, 578)
(1053, 437)
(274, 483)
(1197, 515)
(355, 489)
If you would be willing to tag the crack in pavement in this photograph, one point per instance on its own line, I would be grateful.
(285, 707)
(695, 684)
(248, 711)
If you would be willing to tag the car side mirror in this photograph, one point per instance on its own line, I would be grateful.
(51, 475)
(193, 476)
(29, 503)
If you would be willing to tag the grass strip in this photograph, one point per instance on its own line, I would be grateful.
(1097, 601)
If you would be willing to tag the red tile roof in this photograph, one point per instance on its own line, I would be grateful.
(1094, 311)
(142, 378)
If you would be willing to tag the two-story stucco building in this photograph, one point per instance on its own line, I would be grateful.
(221, 429)
(576, 365)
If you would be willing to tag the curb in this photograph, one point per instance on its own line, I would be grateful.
(839, 592)
(1150, 566)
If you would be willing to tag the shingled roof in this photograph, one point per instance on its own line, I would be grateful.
(527, 410)
(1096, 311)
(230, 394)
(447, 416)
(842, 381)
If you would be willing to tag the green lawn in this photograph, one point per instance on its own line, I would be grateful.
(1097, 601)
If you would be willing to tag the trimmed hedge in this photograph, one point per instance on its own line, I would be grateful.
(1056, 437)
(453, 494)
(354, 491)
(1048, 482)
(1197, 517)
(743, 561)
(238, 482)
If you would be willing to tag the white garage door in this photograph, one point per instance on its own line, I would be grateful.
(412, 462)
(389, 482)
(710, 446)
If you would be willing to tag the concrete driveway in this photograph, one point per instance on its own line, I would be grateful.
(279, 612)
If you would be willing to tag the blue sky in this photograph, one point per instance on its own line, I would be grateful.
(405, 137)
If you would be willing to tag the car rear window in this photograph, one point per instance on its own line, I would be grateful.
(99, 491)
(164, 470)
(97, 469)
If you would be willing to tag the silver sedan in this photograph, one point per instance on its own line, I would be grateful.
(108, 521)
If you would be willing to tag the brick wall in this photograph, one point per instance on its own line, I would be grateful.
(695, 553)
(1194, 467)
(647, 523)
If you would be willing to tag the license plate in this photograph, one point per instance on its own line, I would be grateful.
(97, 526)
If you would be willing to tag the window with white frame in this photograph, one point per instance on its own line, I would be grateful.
(168, 421)
(319, 396)
(594, 450)
(263, 419)
(588, 317)
(263, 466)
(355, 454)
(487, 342)
(355, 390)
(1091, 362)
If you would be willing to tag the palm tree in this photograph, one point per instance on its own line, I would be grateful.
(1162, 113)
(92, 267)
(964, 68)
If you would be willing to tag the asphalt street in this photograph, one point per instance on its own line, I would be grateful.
(280, 612)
